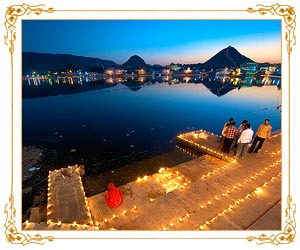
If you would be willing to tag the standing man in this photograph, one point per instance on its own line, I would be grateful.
(240, 130)
(243, 141)
(229, 121)
(242, 126)
(263, 133)
(230, 132)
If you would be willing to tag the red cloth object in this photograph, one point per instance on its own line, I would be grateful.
(113, 196)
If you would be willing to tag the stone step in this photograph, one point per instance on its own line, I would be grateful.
(250, 208)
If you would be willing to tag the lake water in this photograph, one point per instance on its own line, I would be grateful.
(104, 122)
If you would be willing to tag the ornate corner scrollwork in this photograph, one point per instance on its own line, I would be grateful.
(11, 231)
(289, 231)
(11, 17)
(289, 17)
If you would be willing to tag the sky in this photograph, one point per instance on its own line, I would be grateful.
(156, 41)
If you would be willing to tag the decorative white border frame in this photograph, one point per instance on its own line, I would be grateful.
(13, 14)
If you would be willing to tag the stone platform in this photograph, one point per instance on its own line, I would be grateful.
(67, 202)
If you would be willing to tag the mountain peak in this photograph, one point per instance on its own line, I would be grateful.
(135, 62)
(232, 48)
(228, 57)
(135, 56)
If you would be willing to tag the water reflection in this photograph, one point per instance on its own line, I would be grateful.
(138, 116)
(220, 85)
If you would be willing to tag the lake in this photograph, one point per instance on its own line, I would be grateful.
(107, 121)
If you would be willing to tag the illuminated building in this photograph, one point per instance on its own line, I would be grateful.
(109, 72)
(249, 68)
(176, 67)
(167, 71)
(119, 72)
(141, 71)
(188, 71)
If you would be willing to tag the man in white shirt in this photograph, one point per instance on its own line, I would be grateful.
(244, 140)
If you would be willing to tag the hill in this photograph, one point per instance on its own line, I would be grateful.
(43, 62)
(134, 62)
(228, 57)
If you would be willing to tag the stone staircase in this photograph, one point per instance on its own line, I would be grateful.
(214, 195)
(205, 193)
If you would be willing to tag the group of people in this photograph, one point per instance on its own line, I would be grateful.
(240, 138)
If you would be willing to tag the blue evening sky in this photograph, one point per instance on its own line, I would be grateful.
(156, 41)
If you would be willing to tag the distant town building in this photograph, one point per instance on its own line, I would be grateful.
(113, 71)
(119, 72)
(264, 68)
(110, 72)
(222, 72)
(277, 71)
(167, 71)
(188, 71)
(141, 71)
(271, 69)
(175, 67)
(249, 68)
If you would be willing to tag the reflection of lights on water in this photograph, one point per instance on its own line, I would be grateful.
(166, 79)
(110, 80)
(266, 81)
(187, 79)
(141, 79)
